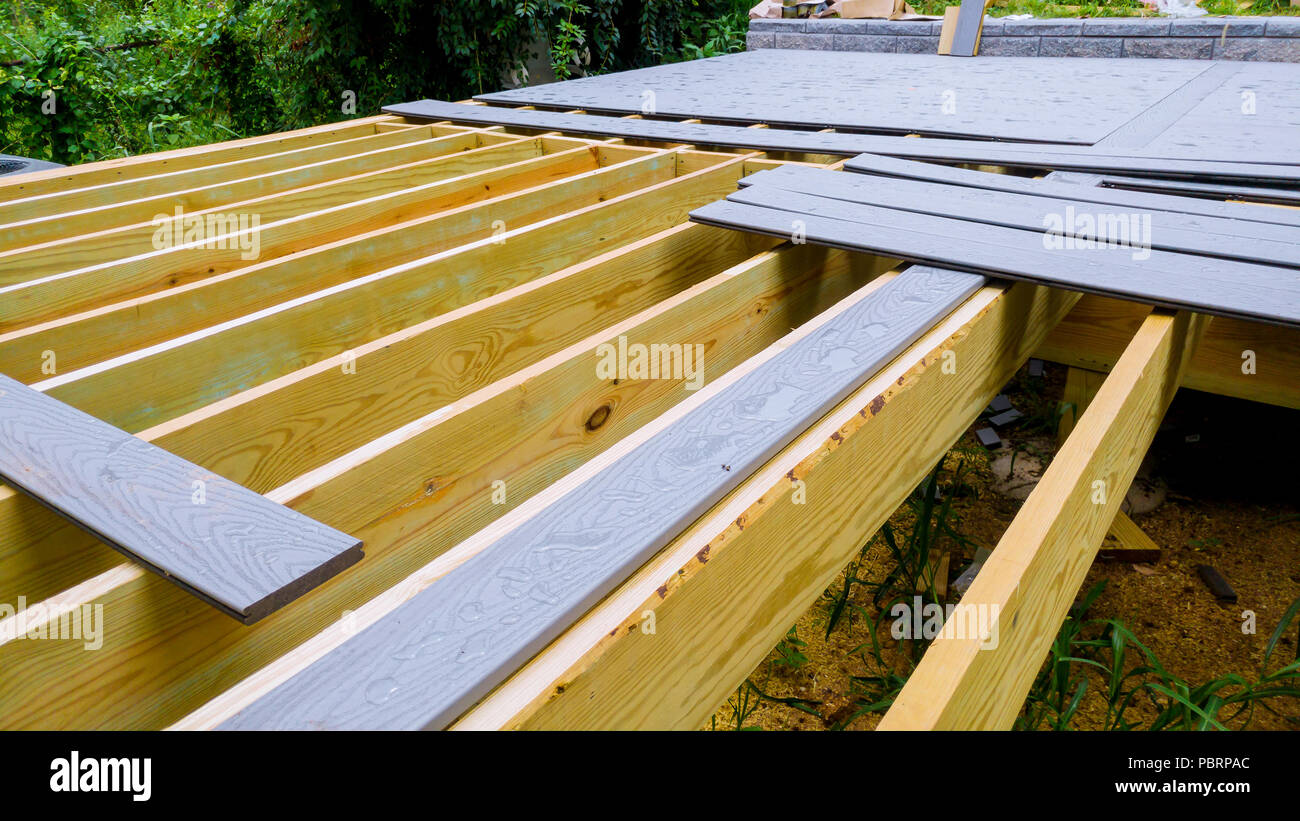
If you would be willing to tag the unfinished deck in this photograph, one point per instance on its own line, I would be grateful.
(404, 344)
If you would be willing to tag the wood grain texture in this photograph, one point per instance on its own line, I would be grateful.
(414, 494)
(32, 222)
(726, 590)
(1090, 192)
(1029, 582)
(135, 188)
(1205, 236)
(436, 655)
(259, 436)
(1220, 287)
(116, 328)
(235, 549)
(1049, 99)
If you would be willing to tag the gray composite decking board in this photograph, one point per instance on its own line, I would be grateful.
(1185, 233)
(1041, 99)
(1213, 286)
(1221, 120)
(1050, 157)
(1189, 188)
(1138, 133)
(970, 18)
(1072, 186)
(236, 550)
(440, 652)
(768, 139)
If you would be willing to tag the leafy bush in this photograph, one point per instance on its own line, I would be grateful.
(129, 76)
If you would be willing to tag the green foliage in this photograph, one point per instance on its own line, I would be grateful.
(129, 76)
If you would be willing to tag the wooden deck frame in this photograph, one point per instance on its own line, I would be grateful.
(417, 488)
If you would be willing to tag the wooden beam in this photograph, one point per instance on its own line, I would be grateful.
(1246, 360)
(230, 547)
(162, 657)
(1029, 582)
(729, 588)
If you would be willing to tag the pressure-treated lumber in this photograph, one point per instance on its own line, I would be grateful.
(107, 171)
(1246, 360)
(1028, 583)
(31, 265)
(911, 169)
(412, 494)
(390, 231)
(730, 587)
(265, 436)
(439, 653)
(139, 187)
(393, 151)
(236, 550)
(1219, 287)
(67, 292)
(1186, 233)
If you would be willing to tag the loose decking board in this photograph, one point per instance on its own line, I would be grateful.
(436, 655)
(1185, 188)
(1085, 189)
(1033, 99)
(970, 22)
(774, 139)
(235, 549)
(1219, 287)
(1206, 236)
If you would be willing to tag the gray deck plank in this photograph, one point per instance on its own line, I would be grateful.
(1185, 233)
(1076, 188)
(233, 548)
(970, 19)
(437, 654)
(1213, 286)
(767, 139)
(1189, 188)
(1034, 99)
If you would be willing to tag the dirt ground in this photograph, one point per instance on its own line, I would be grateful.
(1232, 501)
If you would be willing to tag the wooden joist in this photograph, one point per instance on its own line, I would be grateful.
(236, 550)
(975, 680)
(443, 650)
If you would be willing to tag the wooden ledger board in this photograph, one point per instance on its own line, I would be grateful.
(235, 549)
(436, 655)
